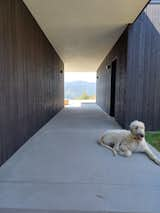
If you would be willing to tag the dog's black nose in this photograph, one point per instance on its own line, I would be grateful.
(141, 135)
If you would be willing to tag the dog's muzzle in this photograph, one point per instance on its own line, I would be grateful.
(140, 136)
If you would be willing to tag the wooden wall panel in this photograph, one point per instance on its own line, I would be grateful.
(119, 52)
(143, 96)
(31, 85)
(138, 73)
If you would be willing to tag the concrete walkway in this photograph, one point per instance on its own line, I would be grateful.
(62, 169)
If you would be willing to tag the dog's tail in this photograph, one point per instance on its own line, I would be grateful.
(101, 142)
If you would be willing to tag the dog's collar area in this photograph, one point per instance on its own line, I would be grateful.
(136, 138)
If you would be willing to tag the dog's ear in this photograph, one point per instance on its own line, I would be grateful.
(132, 125)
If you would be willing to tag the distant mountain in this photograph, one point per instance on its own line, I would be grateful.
(75, 89)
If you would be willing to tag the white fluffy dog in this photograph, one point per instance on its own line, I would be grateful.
(125, 142)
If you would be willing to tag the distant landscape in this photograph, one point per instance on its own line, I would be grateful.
(80, 90)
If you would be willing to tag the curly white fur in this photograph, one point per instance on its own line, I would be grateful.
(125, 142)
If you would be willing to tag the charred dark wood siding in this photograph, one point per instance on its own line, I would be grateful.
(138, 72)
(143, 96)
(31, 85)
(118, 52)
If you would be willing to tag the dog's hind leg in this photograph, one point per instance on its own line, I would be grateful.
(110, 148)
(101, 142)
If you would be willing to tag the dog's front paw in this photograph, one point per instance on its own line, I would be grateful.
(158, 162)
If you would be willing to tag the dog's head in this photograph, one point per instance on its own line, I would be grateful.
(137, 129)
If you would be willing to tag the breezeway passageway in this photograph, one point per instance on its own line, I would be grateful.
(62, 169)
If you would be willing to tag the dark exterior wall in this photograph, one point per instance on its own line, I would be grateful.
(143, 88)
(102, 83)
(31, 85)
(119, 52)
(138, 72)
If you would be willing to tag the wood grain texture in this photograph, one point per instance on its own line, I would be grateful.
(143, 67)
(138, 72)
(31, 85)
(118, 52)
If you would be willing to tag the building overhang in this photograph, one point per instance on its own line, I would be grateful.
(84, 31)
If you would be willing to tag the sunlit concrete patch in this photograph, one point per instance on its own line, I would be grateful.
(62, 169)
